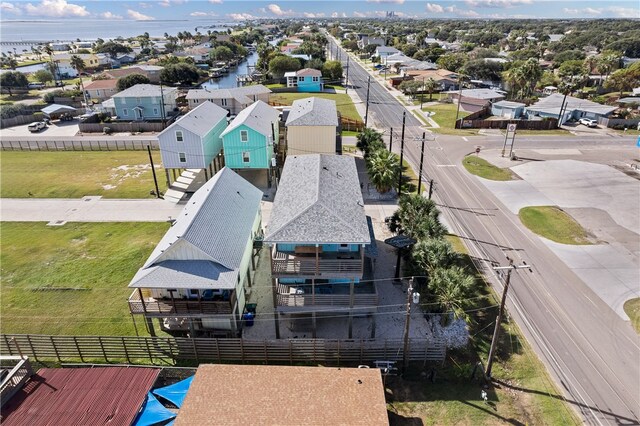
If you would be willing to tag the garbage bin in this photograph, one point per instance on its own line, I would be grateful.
(248, 318)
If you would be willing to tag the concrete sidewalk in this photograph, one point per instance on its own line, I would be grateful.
(87, 209)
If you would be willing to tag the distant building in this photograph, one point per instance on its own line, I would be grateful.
(554, 106)
(313, 127)
(366, 41)
(145, 102)
(473, 100)
(152, 72)
(507, 109)
(233, 100)
(383, 52)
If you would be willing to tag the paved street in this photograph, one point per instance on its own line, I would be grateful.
(589, 350)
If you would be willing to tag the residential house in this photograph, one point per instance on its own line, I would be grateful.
(196, 277)
(60, 47)
(507, 109)
(306, 80)
(446, 80)
(284, 395)
(233, 100)
(193, 141)
(313, 127)
(152, 72)
(556, 105)
(318, 236)
(366, 41)
(125, 59)
(91, 61)
(248, 142)
(101, 89)
(383, 51)
(198, 54)
(474, 100)
(549, 90)
(145, 102)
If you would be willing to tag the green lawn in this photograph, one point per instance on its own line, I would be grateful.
(350, 133)
(481, 167)
(632, 308)
(344, 103)
(524, 395)
(74, 174)
(444, 114)
(72, 279)
(554, 224)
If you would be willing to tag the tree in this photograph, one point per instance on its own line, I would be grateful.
(410, 87)
(9, 62)
(131, 80)
(315, 63)
(524, 77)
(483, 70)
(13, 80)
(369, 141)
(451, 287)
(383, 168)
(572, 68)
(112, 48)
(180, 73)
(624, 79)
(568, 55)
(282, 64)
(430, 85)
(221, 53)
(418, 218)
(332, 70)
(43, 76)
(432, 253)
(607, 62)
(350, 45)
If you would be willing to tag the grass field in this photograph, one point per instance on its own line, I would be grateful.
(632, 308)
(554, 224)
(343, 101)
(481, 167)
(72, 279)
(74, 174)
(523, 392)
(444, 114)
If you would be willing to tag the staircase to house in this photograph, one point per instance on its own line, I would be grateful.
(188, 181)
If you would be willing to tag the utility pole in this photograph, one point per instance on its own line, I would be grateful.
(459, 98)
(430, 188)
(416, 300)
(421, 162)
(153, 170)
(422, 95)
(366, 112)
(162, 111)
(496, 331)
(391, 140)
(404, 116)
(346, 80)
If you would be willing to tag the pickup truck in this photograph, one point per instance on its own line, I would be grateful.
(36, 126)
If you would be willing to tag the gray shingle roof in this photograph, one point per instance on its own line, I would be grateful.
(238, 92)
(552, 103)
(199, 120)
(318, 201)
(509, 104)
(201, 274)
(257, 116)
(214, 226)
(144, 90)
(313, 112)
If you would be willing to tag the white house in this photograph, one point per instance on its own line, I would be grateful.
(233, 100)
(313, 127)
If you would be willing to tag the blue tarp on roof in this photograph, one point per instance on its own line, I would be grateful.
(153, 412)
(176, 392)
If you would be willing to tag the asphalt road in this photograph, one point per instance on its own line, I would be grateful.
(593, 355)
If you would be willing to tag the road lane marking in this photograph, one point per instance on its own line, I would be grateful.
(465, 139)
(446, 165)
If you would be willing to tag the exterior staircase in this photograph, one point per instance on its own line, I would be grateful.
(182, 185)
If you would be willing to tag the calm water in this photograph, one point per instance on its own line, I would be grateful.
(229, 80)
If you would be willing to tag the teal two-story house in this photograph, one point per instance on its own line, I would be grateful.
(145, 102)
(306, 80)
(320, 241)
(249, 140)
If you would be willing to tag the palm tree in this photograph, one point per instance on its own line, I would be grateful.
(383, 168)
(418, 218)
(431, 86)
(369, 141)
(433, 253)
(450, 288)
(78, 64)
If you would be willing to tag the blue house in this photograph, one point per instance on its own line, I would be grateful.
(507, 109)
(319, 238)
(193, 141)
(248, 142)
(145, 102)
(306, 80)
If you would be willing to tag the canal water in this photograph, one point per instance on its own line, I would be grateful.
(228, 81)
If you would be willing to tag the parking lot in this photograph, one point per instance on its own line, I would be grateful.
(56, 128)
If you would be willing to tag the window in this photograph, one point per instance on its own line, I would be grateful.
(179, 137)
(300, 78)
(155, 111)
(183, 157)
(315, 79)
(97, 93)
(195, 101)
(245, 157)
(125, 112)
(244, 136)
(223, 102)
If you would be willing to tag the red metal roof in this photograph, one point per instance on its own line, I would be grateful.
(80, 396)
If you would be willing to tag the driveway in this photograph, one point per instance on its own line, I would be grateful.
(56, 128)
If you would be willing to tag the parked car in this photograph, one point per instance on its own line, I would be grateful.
(589, 122)
(36, 126)
(36, 85)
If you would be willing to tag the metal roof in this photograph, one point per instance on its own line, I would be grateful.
(214, 226)
(313, 112)
(238, 395)
(144, 90)
(485, 94)
(199, 120)
(238, 92)
(201, 274)
(552, 103)
(258, 116)
(508, 104)
(56, 108)
(80, 396)
(318, 201)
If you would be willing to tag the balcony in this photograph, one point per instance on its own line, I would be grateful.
(163, 307)
(305, 298)
(326, 265)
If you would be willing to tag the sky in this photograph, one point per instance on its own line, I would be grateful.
(239, 10)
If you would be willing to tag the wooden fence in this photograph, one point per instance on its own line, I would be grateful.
(77, 143)
(549, 124)
(19, 120)
(158, 350)
(618, 122)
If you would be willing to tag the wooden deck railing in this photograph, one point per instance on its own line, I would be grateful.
(342, 300)
(157, 307)
(307, 267)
